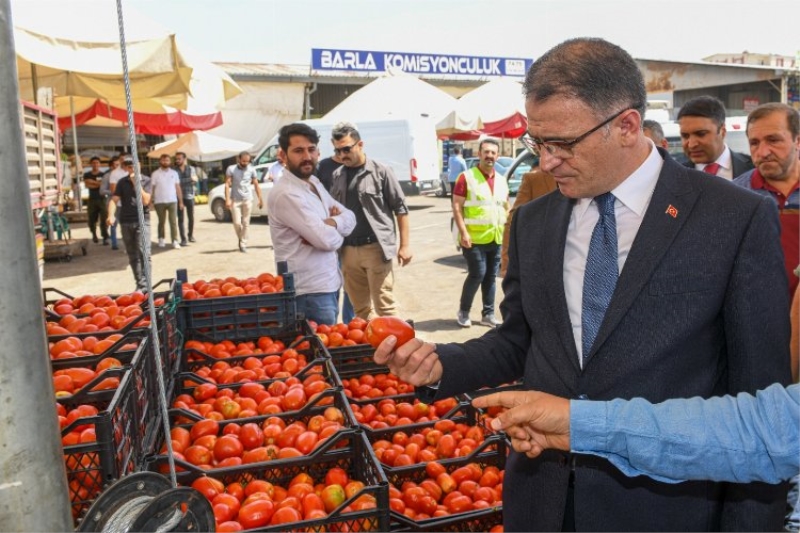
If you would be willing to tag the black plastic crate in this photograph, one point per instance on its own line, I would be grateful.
(92, 466)
(338, 443)
(245, 316)
(186, 382)
(131, 358)
(357, 358)
(162, 289)
(475, 520)
(357, 460)
(516, 386)
(465, 414)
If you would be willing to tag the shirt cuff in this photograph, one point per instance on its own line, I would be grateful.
(588, 425)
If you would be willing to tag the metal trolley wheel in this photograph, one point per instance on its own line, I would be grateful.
(146, 502)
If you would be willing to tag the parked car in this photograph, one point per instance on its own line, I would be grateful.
(523, 163)
(500, 166)
(216, 197)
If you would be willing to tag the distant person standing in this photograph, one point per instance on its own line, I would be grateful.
(653, 131)
(455, 166)
(371, 191)
(308, 226)
(325, 170)
(96, 205)
(480, 209)
(114, 175)
(773, 131)
(188, 179)
(702, 123)
(125, 196)
(167, 199)
(240, 180)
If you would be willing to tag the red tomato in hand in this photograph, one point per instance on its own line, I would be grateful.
(381, 327)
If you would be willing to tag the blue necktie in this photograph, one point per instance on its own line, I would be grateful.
(602, 271)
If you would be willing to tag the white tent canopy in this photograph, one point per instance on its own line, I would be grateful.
(498, 104)
(200, 146)
(396, 95)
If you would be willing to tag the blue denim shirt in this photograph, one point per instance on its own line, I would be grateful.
(739, 439)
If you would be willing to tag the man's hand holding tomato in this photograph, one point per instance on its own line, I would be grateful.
(415, 362)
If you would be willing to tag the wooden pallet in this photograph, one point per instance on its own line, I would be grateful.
(65, 250)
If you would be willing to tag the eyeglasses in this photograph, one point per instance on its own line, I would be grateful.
(558, 147)
(344, 149)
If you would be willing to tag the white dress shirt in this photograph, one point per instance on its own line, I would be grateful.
(300, 236)
(632, 198)
(725, 162)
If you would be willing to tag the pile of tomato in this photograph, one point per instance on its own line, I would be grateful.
(443, 493)
(89, 314)
(337, 335)
(265, 283)
(259, 503)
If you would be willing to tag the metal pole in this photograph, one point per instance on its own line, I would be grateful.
(33, 482)
(77, 183)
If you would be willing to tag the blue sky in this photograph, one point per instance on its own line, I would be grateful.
(284, 31)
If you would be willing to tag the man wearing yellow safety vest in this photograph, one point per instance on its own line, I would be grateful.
(480, 208)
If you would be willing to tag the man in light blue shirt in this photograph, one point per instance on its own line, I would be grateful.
(455, 166)
(738, 439)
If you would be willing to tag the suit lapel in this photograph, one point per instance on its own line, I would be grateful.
(669, 209)
(559, 209)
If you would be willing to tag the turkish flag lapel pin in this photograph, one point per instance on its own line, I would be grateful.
(671, 211)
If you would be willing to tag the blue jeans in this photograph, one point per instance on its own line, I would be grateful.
(483, 262)
(348, 313)
(321, 307)
(112, 232)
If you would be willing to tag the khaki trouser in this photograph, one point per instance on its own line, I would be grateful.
(369, 281)
(240, 213)
(164, 211)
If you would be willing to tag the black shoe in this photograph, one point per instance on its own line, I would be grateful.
(105, 242)
(184, 243)
(114, 247)
(191, 239)
(94, 239)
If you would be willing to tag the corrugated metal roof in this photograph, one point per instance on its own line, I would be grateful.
(264, 69)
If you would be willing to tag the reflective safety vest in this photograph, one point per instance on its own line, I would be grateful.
(485, 210)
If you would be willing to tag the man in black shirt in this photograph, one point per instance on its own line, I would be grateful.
(125, 197)
(96, 205)
(325, 170)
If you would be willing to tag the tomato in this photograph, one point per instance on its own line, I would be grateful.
(229, 527)
(306, 441)
(251, 436)
(208, 487)
(446, 447)
(312, 502)
(256, 514)
(447, 483)
(259, 485)
(381, 327)
(459, 504)
(336, 476)
(198, 455)
(294, 399)
(332, 496)
(227, 446)
(204, 427)
(204, 391)
(285, 515)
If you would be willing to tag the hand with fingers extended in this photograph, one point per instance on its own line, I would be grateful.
(535, 421)
(415, 362)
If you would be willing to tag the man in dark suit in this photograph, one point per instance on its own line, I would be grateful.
(637, 278)
(702, 122)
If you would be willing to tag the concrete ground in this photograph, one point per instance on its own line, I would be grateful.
(428, 290)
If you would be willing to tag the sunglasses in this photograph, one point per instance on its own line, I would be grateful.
(344, 149)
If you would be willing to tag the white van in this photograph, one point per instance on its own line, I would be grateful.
(409, 147)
